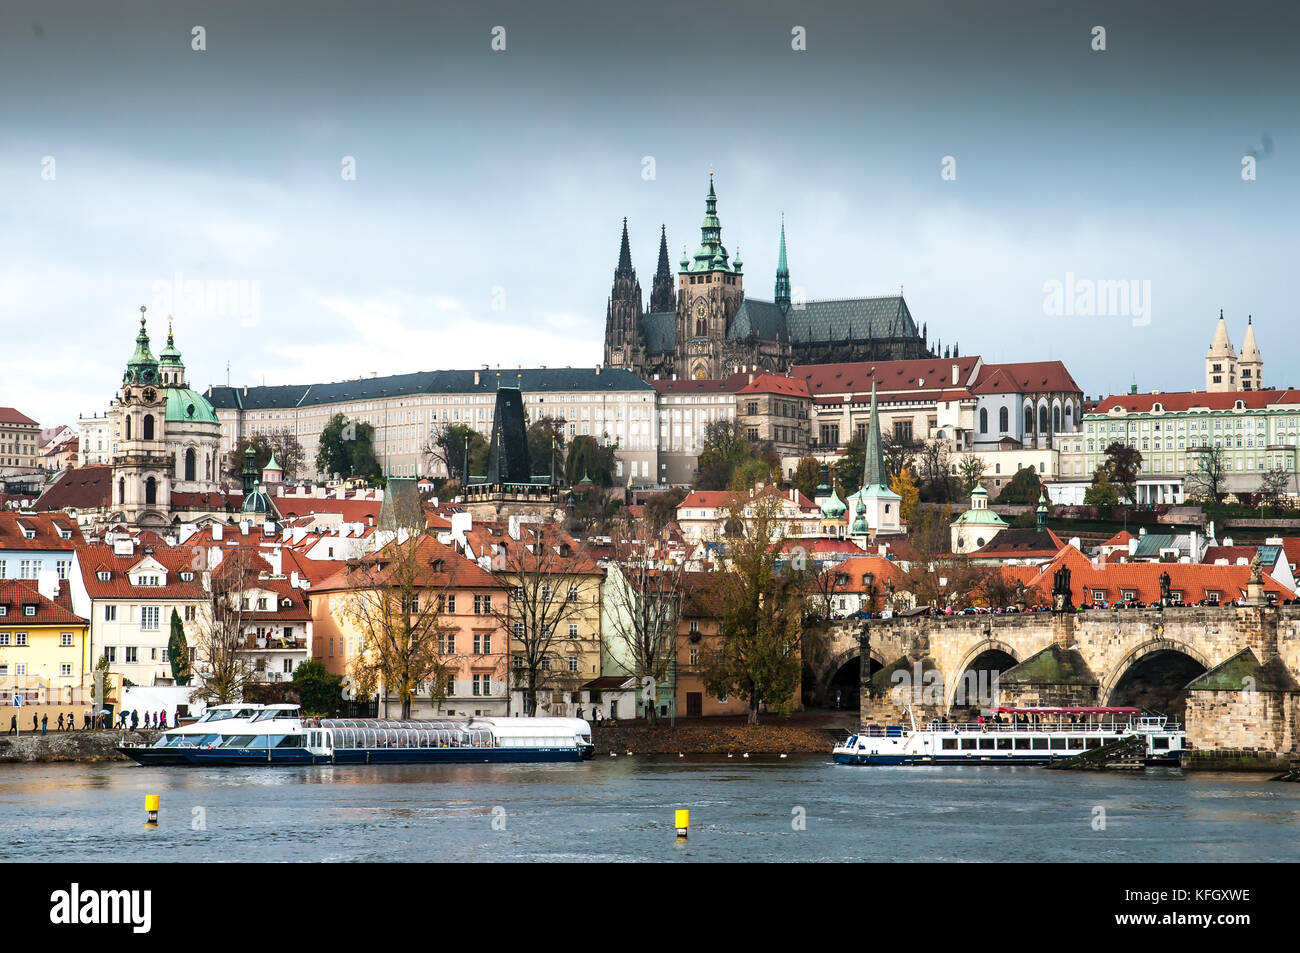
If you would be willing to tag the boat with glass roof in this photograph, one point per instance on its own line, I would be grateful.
(278, 734)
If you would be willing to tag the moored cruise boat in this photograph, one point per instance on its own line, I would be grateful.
(278, 735)
(215, 719)
(1014, 736)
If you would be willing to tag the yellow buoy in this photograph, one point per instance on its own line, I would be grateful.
(151, 808)
(683, 822)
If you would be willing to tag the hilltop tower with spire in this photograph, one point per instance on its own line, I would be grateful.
(710, 287)
(623, 313)
(1225, 371)
(169, 457)
(662, 296)
(1250, 364)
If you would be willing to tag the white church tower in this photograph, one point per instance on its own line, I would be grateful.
(1250, 366)
(1221, 361)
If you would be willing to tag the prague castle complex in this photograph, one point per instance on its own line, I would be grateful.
(709, 327)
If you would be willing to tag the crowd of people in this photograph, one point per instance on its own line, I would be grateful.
(92, 721)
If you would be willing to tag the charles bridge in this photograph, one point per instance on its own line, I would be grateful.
(1230, 673)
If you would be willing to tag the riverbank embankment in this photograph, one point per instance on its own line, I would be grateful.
(37, 748)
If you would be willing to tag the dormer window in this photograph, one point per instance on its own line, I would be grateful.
(65, 534)
(29, 610)
(29, 534)
(103, 575)
(187, 576)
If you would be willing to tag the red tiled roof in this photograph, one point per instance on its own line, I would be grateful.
(94, 558)
(83, 488)
(929, 375)
(16, 594)
(1187, 400)
(456, 572)
(191, 500)
(1029, 376)
(1232, 554)
(1192, 580)
(1016, 541)
(9, 415)
(724, 498)
(351, 511)
(46, 527)
(855, 567)
(777, 384)
(1120, 539)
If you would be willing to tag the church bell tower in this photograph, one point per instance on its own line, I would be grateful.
(710, 288)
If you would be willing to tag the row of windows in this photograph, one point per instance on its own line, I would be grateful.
(20, 668)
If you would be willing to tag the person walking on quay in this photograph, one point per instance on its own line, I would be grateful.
(135, 719)
(35, 724)
(85, 720)
(45, 721)
(59, 727)
(13, 725)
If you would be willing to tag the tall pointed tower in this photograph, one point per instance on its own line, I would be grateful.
(141, 491)
(623, 341)
(782, 294)
(709, 291)
(662, 296)
(1220, 361)
(1250, 366)
(875, 507)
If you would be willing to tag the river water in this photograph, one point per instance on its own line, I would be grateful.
(803, 808)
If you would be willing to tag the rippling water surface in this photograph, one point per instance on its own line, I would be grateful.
(621, 809)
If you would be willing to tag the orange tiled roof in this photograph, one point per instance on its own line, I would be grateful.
(16, 595)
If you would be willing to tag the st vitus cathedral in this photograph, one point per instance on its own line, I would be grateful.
(709, 328)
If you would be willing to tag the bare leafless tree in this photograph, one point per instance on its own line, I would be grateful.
(555, 585)
(223, 659)
(396, 603)
(644, 591)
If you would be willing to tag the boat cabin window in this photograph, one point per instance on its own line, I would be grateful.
(238, 741)
(949, 744)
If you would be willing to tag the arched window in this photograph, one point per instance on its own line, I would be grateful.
(1029, 420)
(1056, 418)
(121, 489)
(984, 420)
(150, 491)
(207, 465)
(191, 464)
(148, 427)
(128, 426)
(1042, 418)
(1004, 420)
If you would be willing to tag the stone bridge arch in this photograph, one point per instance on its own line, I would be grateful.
(824, 674)
(1127, 677)
(986, 645)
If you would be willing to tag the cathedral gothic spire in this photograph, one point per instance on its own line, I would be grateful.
(662, 296)
(782, 295)
(624, 310)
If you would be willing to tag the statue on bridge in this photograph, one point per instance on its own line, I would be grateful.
(1255, 571)
(1062, 600)
(1164, 589)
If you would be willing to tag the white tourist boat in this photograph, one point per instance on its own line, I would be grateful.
(277, 734)
(216, 718)
(1014, 736)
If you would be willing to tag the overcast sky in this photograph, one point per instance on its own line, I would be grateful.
(482, 225)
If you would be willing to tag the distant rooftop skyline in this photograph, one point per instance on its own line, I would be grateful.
(483, 222)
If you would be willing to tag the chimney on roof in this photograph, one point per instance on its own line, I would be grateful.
(293, 579)
(47, 583)
(476, 378)
(243, 527)
(1132, 547)
(216, 532)
(597, 370)
(954, 375)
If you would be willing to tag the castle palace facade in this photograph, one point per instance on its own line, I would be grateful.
(708, 327)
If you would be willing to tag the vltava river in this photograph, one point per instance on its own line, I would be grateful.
(621, 809)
